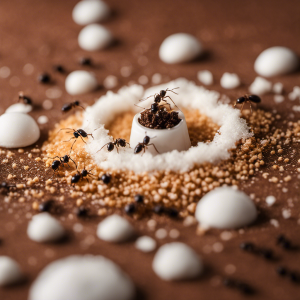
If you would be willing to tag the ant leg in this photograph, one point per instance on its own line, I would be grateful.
(86, 179)
(153, 146)
(128, 144)
(141, 100)
(251, 107)
(91, 135)
(144, 150)
(242, 107)
(53, 157)
(117, 149)
(72, 146)
(172, 101)
(102, 147)
(82, 107)
(72, 138)
(82, 139)
(66, 129)
(139, 106)
(73, 162)
(168, 90)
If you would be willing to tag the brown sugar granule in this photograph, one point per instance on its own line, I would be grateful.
(167, 188)
(162, 119)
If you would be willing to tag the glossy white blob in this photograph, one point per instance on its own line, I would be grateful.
(19, 108)
(276, 61)
(44, 228)
(166, 140)
(80, 82)
(10, 271)
(179, 48)
(18, 130)
(225, 207)
(115, 229)
(145, 244)
(230, 81)
(82, 278)
(177, 261)
(260, 86)
(90, 11)
(94, 37)
(205, 77)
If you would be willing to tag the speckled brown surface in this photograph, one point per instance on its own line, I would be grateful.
(233, 33)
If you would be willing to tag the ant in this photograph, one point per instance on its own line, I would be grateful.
(81, 175)
(140, 146)
(61, 161)
(77, 133)
(161, 97)
(5, 187)
(116, 143)
(247, 98)
(25, 99)
(68, 106)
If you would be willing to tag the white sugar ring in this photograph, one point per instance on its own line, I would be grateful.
(232, 128)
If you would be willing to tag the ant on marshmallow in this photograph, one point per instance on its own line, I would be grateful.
(116, 143)
(247, 98)
(144, 145)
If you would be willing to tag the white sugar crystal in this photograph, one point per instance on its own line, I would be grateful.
(110, 82)
(230, 81)
(276, 61)
(260, 86)
(205, 77)
(295, 94)
(177, 261)
(161, 233)
(270, 200)
(80, 82)
(90, 11)
(225, 207)
(10, 271)
(19, 108)
(82, 277)
(44, 228)
(156, 78)
(18, 130)
(94, 37)
(286, 213)
(278, 88)
(232, 128)
(115, 229)
(145, 244)
(179, 48)
(42, 119)
(278, 98)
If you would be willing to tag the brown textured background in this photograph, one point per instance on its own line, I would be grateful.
(233, 33)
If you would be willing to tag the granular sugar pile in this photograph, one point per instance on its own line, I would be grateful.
(168, 188)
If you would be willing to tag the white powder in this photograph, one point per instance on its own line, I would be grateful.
(232, 128)
(205, 77)
(260, 86)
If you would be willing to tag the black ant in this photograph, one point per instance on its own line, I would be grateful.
(116, 143)
(68, 106)
(140, 146)
(161, 97)
(247, 98)
(61, 161)
(81, 175)
(25, 99)
(77, 133)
